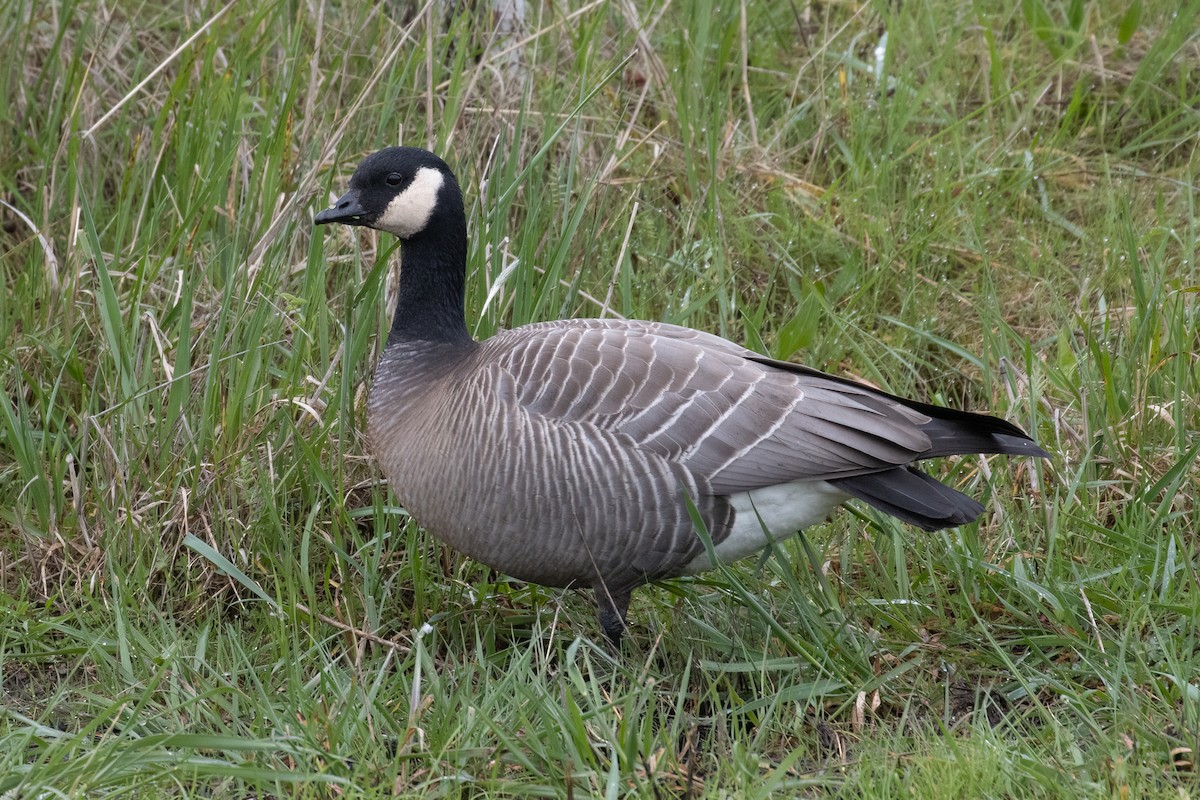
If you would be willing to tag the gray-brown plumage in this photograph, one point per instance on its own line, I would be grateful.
(566, 453)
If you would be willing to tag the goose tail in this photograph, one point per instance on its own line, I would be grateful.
(911, 495)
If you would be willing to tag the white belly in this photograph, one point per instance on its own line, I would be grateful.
(773, 512)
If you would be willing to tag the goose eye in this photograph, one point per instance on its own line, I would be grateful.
(395, 179)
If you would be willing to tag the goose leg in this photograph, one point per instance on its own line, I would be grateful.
(613, 604)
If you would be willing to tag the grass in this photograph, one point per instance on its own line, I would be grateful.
(204, 591)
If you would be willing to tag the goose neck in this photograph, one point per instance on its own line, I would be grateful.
(432, 285)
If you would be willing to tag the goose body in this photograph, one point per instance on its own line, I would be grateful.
(573, 453)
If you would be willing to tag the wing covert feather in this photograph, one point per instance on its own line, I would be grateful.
(733, 418)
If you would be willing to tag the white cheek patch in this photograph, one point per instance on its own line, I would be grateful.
(409, 211)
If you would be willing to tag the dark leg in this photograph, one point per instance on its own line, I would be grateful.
(613, 603)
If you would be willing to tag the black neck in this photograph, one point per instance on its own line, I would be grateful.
(432, 283)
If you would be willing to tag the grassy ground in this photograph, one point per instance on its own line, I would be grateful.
(205, 592)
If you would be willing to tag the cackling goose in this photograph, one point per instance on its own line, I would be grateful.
(565, 453)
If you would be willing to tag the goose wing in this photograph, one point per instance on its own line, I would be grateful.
(735, 419)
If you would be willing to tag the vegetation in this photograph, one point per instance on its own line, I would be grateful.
(205, 591)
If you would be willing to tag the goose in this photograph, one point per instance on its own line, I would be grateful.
(574, 453)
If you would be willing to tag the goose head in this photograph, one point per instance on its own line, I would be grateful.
(398, 190)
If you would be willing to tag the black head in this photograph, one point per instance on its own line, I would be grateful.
(398, 190)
